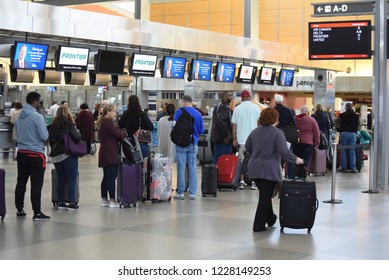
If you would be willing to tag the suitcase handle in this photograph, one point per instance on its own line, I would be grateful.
(317, 204)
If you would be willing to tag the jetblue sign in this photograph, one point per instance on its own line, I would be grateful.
(342, 9)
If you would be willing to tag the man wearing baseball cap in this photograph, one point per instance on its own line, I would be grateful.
(244, 120)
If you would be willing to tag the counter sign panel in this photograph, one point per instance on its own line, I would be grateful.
(340, 40)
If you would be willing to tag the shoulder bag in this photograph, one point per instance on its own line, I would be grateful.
(291, 134)
(73, 148)
(144, 136)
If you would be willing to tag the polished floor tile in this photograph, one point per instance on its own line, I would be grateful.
(207, 228)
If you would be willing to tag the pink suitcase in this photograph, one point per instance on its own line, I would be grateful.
(318, 163)
(158, 179)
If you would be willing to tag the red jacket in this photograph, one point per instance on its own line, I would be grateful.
(109, 136)
(308, 129)
(86, 124)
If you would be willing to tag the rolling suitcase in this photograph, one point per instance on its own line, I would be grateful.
(54, 193)
(2, 194)
(318, 163)
(228, 171)
(129, 184)
(158, 179)
(209, 178)
(298, 204)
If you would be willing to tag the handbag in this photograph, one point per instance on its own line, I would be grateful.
(72, 148)
(130, 150)
(144, 136)
(291, 134)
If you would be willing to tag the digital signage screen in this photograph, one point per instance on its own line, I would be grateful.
(266, 76)
(225, 72)
(29, 56)
(143, 65)
(201, 70)
(286, 77)
(71, 59)
(340, 40)
(173, 67)
(109, 62)
(246, 74)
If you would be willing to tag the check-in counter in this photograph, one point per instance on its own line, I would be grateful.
(6, 143)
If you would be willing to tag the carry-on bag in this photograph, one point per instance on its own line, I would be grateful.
(54, 193)
(129, 184)
(158, 178)
(228, 171)
(298, 204)
(318, 163)
(2, 194)
(209, 178)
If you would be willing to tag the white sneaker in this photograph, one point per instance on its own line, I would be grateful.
(114, 204)
(253, 186)
(104, 202)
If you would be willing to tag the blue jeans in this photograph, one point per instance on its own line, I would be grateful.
(108, 182)
(183, 155)
(220, 149)
(145, 149)
(67, 171)
(348, 139)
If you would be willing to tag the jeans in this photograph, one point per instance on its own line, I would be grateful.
(33, 167)
(220, 149)
(303, 151)
(184, 155)
(67, 171)
(145, 149)
(108, 182)
(348, 139)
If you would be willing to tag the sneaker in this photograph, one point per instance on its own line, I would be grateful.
(114, 204)
(104, 202)
(62, 206)
(20, 214)
(40, 217)
(241, 186)
(253, 186)
(192, 197)
(179, 196)
(73, 206)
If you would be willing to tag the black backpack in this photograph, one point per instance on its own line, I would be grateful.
(182, 132)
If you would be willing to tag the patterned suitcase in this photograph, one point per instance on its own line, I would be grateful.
(129, 184)
(228, 171)
(2, 194)
(158, 179)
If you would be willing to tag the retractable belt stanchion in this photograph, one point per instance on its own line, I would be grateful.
(371, 190)
(333, 183)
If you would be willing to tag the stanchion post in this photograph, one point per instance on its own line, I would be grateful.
(371, 190)
(333, 182)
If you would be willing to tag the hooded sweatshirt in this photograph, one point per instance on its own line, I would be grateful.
(308, 129)
(31, 130)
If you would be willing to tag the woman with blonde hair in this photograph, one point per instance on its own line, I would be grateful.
(109, 160)
(66, 166)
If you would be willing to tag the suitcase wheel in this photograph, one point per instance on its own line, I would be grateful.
(2, 218)
(215, 194)
(309, 231)
(282, 230)
(204, 195)
(170, 198)
(235, 189)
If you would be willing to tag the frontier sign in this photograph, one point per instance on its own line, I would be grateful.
(342, 9)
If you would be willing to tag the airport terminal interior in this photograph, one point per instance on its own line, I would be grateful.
(351, 221)
(207, 228)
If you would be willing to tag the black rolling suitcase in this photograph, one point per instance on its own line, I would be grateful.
(2, 194)
(298, 204)
(209, 178)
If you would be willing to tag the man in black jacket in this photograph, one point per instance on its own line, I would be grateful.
(348, 123)
(221, 133)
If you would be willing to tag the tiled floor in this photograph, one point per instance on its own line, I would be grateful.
(207, 228)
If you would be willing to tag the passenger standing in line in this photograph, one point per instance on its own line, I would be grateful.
(134, 117)
(64, 103)
(96, 112)
(267, 145)
(309, 139)
(15, 116)
(188, 155)
(221, 133)
(286, 118)
(322, 120)
(66, 166)
(348, 122)
(244, 120)
(86, 124)
(31, 133)
(165, 124)
(53, 109)
(109, 158)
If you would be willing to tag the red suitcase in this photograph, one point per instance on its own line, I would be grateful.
(228, 171)
(2, 194)
(318, 163)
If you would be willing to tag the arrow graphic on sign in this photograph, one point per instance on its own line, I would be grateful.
(319, 9)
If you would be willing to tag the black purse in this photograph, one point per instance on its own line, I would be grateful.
(291, 134)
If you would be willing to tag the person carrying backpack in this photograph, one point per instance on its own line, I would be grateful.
(188, 124)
